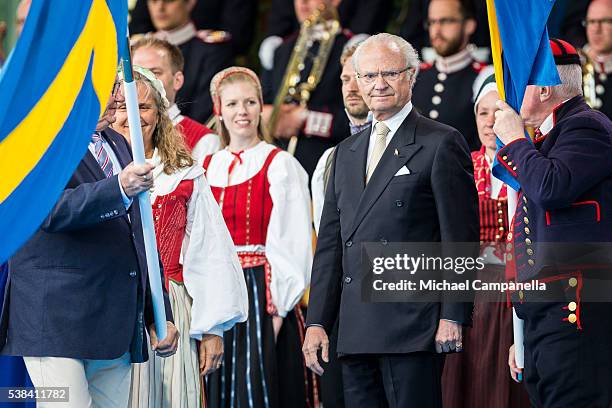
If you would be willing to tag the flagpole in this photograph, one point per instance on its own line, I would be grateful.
(518, 324)
(144, 200)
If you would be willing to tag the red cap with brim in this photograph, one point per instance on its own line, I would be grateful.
(563, 52)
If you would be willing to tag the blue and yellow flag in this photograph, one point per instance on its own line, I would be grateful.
(53, 88)
(521, 55)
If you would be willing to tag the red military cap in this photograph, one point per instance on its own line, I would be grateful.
(564, 52)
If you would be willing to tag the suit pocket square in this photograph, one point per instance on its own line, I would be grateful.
(403, 171)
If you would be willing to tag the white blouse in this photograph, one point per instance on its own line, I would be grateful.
(212, 273)
(288, 246)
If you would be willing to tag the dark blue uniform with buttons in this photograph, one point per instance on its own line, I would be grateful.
(565, 202)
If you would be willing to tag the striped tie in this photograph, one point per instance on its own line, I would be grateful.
(103, 159)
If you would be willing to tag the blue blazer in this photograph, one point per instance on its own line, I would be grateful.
(564, 215)
(78, 288)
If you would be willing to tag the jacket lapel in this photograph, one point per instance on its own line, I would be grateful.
(398, 152)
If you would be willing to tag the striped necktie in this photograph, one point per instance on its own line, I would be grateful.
(101, 155)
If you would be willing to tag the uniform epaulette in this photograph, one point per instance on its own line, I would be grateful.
(425, 66)
(478, 66)
(214, 36)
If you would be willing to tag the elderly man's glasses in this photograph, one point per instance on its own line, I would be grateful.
(116, 88)
(389, 76)
(591, 22)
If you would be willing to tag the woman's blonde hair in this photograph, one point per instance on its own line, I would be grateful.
(169, 142)
(231, 76)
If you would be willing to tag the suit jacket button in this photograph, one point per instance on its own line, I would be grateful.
(348, 280)
(399, 203)
(384, 241)
(349, 243)
(338, 209)
(133, 274)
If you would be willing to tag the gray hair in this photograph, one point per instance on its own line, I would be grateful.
(571, 82)
(392, 42)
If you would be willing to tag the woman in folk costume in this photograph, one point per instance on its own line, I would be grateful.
(479, 376)
(202, 272)
(263, 195)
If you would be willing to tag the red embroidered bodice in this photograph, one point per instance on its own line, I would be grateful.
(246, 206)
(493, 212)
(170, 219)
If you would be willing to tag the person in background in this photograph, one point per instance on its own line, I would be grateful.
(166, 62)
(263, 195)
(477, 377)
(204, 56)
(443, 91)
(598, 25)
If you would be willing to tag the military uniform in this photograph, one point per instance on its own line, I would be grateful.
(443, 92)
(205, 53)
(603, 85)
(326, 124)
(563, 219)
(235, 17)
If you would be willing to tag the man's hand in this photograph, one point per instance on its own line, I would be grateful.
(315, 339)
(211, 353)
(448, 337)
(291, 118)
(167, 346)
(136, 178)
(277, 323)
(515, 372)
(508, 124)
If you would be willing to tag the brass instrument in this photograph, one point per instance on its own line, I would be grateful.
(325, 17)
(588, 79)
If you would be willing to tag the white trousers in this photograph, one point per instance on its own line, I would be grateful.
(91, 383)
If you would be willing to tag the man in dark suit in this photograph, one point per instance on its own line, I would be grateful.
(562, 234)
(78, 301)
(404, 179)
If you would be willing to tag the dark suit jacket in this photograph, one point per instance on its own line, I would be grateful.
(76, 287)
(436, 202)
(566, 193)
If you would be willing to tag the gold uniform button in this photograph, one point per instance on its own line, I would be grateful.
(509, 163)
(524, 208)
(504, 157)
(525, 199)
(509, 236)
(529, 251)
(500, 220)
(521, 295)
(530, 262)
(573, 282)
(500, 211)
(499, 204)
(527, 231)
(514, 168)
(497, 237)
(501, 228)
(572, 306)
(528, 241)
(572, 318)
(526, 220)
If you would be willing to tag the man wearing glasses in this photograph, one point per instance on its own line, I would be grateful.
(406, 178)
(443, 91)
(598, 26)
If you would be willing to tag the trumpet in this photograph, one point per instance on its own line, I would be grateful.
(325, 17)
(588, 79)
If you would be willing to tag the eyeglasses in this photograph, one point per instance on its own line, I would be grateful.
(445, 21)
(388, 76)
(116, 88)
(597, 21)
